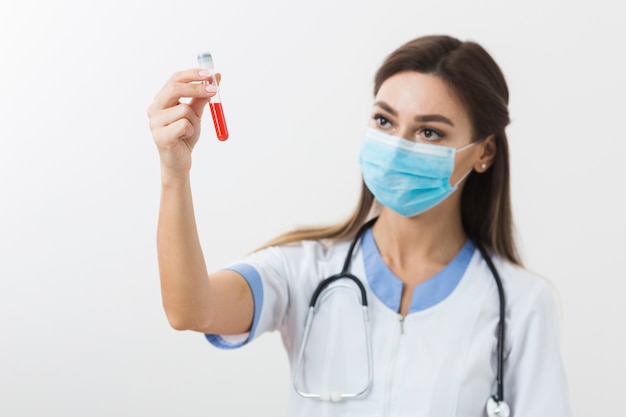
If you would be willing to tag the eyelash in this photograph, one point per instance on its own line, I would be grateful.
(436, 132)
(380, 120)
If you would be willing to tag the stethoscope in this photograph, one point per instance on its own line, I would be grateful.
(495, 407)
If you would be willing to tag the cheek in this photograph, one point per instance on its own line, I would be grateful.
(463, 163)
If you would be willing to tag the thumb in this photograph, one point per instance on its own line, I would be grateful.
(198, 104)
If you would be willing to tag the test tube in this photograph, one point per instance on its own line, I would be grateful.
(205, 61)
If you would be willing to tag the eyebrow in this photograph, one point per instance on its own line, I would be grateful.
(418, 118)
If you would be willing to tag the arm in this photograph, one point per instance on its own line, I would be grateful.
(192, 300)
(534, 370)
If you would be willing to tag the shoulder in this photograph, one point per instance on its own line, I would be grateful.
(535, 373)
(299, 255)
(519, 279)
(527, 293)
(317, 249)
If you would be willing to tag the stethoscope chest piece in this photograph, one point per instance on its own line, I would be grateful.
(497, 408)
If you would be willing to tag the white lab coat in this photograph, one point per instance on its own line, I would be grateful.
(437, 362)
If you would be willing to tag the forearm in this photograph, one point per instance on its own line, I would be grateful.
(185, 286)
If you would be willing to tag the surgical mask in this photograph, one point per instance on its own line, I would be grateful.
(407, 177)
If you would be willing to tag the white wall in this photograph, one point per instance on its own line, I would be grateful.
(82, 329)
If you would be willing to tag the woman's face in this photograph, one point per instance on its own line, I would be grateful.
(422, 108)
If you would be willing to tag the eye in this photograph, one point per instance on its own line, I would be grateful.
(430, 135)
(382, 121)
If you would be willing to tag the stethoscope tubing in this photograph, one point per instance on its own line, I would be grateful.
(345, 271)
(366, 323)
(495, 404)
(501, 321)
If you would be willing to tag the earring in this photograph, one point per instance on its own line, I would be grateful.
(483, 166)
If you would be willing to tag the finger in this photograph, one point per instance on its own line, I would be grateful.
(167, 116)
(167, 137)
(194, 75)
(218, 78)
(171, 93)
(189, 75)
(197, 105)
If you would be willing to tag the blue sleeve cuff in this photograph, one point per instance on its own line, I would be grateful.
(252, 277)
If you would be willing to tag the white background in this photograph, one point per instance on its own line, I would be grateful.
(82, 331)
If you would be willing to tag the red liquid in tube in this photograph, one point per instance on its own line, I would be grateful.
(217, 111)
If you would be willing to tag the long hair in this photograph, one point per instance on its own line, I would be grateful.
(480, 85)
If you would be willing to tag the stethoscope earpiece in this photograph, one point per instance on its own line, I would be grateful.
(497, 408)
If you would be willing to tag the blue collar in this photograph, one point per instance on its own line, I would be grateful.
(388, 287)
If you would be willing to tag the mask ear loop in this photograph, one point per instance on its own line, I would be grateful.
(461, 149)
(469, 145)
(462, 178)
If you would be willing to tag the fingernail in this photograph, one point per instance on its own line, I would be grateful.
(211, 88)
(203, 73)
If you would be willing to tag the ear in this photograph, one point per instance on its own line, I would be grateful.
(488, 148)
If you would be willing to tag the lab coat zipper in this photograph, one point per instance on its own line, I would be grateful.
(392, 364)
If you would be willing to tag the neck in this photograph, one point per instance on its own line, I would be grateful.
(430, 238)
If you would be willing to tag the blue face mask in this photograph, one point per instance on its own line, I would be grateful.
(407, 177)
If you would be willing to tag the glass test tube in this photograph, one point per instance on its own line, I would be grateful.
(205, 61)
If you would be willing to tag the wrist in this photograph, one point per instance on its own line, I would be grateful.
(172, 179)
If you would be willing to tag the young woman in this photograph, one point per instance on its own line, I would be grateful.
(455, 325)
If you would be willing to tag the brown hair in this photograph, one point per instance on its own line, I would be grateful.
(480, 85)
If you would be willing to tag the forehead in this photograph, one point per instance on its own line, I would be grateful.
(412, 93)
